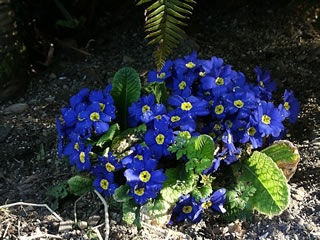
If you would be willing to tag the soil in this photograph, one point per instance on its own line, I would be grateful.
(281, 39)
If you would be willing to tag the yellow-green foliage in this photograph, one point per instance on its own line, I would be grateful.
(164, 19)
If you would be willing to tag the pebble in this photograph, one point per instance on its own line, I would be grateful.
(93, 220)
(65, 226)
(52, 76)
(82, 225)
(127, 59)
(4, 132)
(16, 108)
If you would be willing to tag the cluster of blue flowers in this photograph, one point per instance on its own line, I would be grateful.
(207, 97)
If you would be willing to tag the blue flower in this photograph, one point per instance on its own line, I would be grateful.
(146, 182)
(187, 208)
(182, 83)
(104, 182)
(164, 73)
(74, 146)
(190, 105)
(219, 109)
(266, 86)
(159, 139)
(105, 102)
(95, 118)
(291, 107)
(137, 157)
(225, 156)
(189, 63)
(268, 119)
(141, 110)
(111, 163)
(178, 118)
(251, 133)
(227, 138)
(81, 158)
(80, 97)
(239, 103)
(215, 201)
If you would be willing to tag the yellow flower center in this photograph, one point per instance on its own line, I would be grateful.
(187, 209)
(182, 85)
(102, 107)
(76, 146)
(160, 139)
(94, 116)
(266, 119)
(251, 131)
(219, 109)
(207, 93)
(286, 106)
(186, 134)
(140, 157)
(186, 106)
(110, 167)
(79, 118)
(229, 123)
(139, 191)
(202, 74)
(211, 102)
(145, 108)
(145, 176)
(238, 103)
(104, 184)
(190, 65)
(219, 81)
(82, 157)
(229, 138)
(158, 117)
(261, 84)
(235, 88)
(162, 75)
(206, 205)
(175, 118)
(217, 126)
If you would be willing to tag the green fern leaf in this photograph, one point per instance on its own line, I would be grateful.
(163, 21)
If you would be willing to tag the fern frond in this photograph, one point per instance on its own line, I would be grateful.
(164, 19)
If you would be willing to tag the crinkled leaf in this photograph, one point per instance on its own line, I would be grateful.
(177, 183)
(198, 165)
(106, 138)
(79, 185)
(285, 155)
(60, 191)
(121, 194)
(126, 87)
(158, 209)
(202, 192)
(129, 210)
(272, 192)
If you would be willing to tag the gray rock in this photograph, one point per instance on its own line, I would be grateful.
(16, 108)
(65, 226)
(4, 132)
(52, 76)
(127, 59)
(82, 225)
(93, 220)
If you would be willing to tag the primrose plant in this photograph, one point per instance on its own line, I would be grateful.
(183, 143)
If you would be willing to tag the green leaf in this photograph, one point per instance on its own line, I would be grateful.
(121, 194)
(205, 145)
(60, 191)
(126, 87)
(108, 136)
(202, 192)
(158, 209)
(79, 185)
(159, 90)
(177, 183)
(129, 210)
(272, 192)
(285, 155)
(198, 165)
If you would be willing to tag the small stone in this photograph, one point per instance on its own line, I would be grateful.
(82, 225)
(52, 76)
(65, 87)
(65, 226)
(93, 220)
(127, 59)
(16, 108)
(4, 132)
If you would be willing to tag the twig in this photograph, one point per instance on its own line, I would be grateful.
(33, 205)
(75, 209)
(42, 235)
(19, 228)
(96, 230)
(106, 215)
(5, 232)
